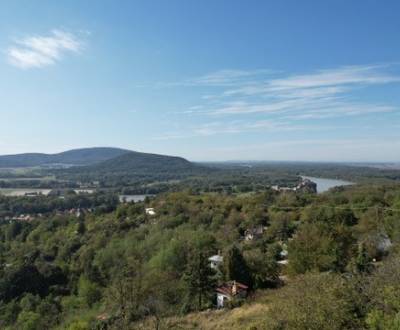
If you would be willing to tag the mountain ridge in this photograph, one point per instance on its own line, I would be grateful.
(81, 156)
(134, 168)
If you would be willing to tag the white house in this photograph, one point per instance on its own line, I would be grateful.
(150, 211)
(230, 290)
(216, 261)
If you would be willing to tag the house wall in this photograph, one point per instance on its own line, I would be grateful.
(221, 300)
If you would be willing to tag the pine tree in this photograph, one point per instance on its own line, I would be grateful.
(200, 279)
(236, 267)
(362, 260)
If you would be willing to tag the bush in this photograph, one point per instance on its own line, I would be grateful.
(89, 291)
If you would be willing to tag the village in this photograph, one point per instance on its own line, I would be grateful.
(234, 291)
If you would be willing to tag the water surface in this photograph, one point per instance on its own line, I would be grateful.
(324, 184)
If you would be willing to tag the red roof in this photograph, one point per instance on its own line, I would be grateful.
(228, 288)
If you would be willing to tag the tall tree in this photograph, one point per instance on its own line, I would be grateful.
(236, 268)
(200, 278)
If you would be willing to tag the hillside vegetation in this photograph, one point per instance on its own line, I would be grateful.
(121, 268)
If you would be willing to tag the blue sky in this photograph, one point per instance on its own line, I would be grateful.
(207, 80)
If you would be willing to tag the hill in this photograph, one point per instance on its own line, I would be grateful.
(133, 168)
(85, 156)
(140, 162)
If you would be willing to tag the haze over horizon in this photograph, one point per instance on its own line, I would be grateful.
(207, 81)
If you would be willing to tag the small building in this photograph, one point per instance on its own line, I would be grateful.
(216, 261)
(229, 291)
(253, 233)
(150, 211)
(283, 254)
(23, 217)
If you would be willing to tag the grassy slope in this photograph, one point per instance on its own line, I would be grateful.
(250, 315)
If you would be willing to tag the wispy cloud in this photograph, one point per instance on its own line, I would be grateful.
(328, 91)
(227, 78)
(236, 127)
(268, 101)
(349, 75)
(39, 51)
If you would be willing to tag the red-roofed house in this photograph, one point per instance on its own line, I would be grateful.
(230, 290)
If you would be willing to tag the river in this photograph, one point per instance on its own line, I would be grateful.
(326, 184)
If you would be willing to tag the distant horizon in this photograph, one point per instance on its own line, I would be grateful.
(214, 161)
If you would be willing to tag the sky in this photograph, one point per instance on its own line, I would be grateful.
(208, 80)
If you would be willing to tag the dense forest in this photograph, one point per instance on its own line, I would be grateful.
(326, 261)
(139, 173)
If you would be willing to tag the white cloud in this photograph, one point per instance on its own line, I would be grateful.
(222, 78)
(236, 127)
(331, 92)
(228, 77)
(263, 102)
(350, 75)
(40, 51)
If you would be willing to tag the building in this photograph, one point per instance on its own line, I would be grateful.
(150, 211)
(253, 233)
(305, 185)
(23, 217)
(230, 290)
(216, 261)
(283, 254)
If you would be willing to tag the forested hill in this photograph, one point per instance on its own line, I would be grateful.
(85, 156)
(140, 162)
(136, 167)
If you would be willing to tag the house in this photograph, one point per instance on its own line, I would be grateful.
(76, 212)
(229, 291)
(150, 211)
(283, 262)
(283, 254)
(23, 217)
(216, 261)
(253, 233)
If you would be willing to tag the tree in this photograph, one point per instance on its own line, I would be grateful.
(264, 268)
(29, 321)
(89, 291)
(25, 279)
(200, 278)
(236, 268)
(317, 247)
(362, 260)
(125, 295)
